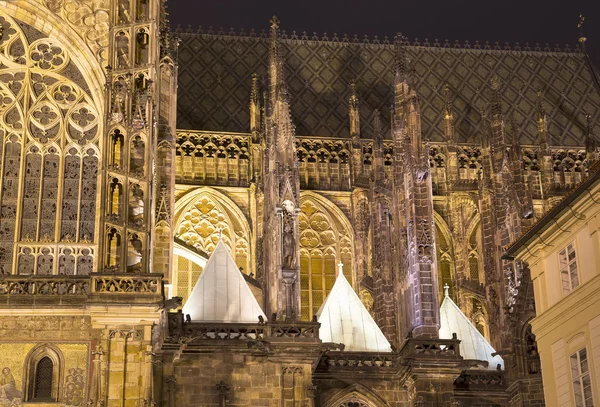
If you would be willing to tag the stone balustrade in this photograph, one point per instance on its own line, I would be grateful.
(68, 289)
(431, 348)
(273, 331)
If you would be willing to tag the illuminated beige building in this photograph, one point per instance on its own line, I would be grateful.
(130, 153)
(563, 253)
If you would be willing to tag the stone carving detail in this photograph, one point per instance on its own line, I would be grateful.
(206, 220)
(44, 262)
(26, 261)
(90, 19)
(47, 55)
(212, 159)
(75, 387)
(289, 255)
(66, 262)
(147, 284)
(85, 262)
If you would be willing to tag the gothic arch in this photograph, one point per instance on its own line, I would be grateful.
(475, 271)
(89, 54)
(202, 215)
(326, 238)
(445, 254)
(355, 393)
(36, 355)
(51, 98)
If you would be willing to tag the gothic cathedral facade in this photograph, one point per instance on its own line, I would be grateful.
(128, 151)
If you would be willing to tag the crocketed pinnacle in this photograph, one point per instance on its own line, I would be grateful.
(353, 111)
(540, 107)
(447, 102)
(496, 108)
(401, 59)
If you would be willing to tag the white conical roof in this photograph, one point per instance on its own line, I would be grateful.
(221, 294)
(344, 319)
(473, 344)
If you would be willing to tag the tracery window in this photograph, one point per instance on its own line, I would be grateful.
(201, 220)
(49, 125)
(445, 264)
(324, 242)
(474, 250)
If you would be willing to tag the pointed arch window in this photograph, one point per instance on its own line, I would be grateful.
(324, 242)
(42, 387)
(43, 373)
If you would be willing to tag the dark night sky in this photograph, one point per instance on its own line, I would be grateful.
(549, 21)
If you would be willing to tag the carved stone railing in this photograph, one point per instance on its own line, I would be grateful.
(127, 283)
(195, 332)
(431, 349)
(480, 380)
(44, 285)
(358, 360)
(100, 287)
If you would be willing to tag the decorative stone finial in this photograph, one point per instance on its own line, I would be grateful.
(274, 23)
(447, 101)
(582, 37)
(446, 288)
(340, 268)
(495, 82)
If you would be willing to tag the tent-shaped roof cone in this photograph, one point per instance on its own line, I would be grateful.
(344, 319)
(221, 294)
(473, 344)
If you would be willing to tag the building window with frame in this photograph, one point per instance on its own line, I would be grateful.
(44, 369)
(569, 273)
(582, 382)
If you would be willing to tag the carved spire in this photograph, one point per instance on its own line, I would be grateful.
(515, 151)
(496, 107)
(401, 69)
(275, 63)
(281, 132)
(448, 117)
(354, 113)
(254, 105)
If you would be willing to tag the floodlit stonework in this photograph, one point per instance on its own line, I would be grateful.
(129, 150)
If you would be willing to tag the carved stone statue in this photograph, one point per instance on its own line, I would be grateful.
(288, 238)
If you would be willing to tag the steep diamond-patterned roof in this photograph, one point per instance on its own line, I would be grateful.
(215, 76)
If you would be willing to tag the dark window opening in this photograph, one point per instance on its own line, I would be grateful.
(43, 380)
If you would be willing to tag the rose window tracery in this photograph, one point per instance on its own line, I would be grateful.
(49, 146)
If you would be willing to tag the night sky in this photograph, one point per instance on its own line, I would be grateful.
(543, 21)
